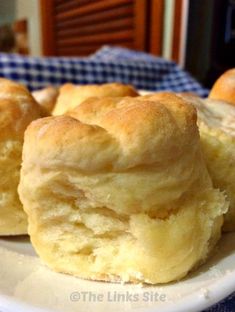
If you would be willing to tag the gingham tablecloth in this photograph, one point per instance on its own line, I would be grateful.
(108, 64)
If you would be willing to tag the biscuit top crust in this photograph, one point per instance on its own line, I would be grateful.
(113, 89)
(214, 113)
(17, 109)
(71, 95)
(114, 134)
(224, 87)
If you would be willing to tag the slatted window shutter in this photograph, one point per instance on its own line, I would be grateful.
(79, 27)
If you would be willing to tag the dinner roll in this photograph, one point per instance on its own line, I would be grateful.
(17, 110)
(224, 87)
(119, 191)
(217, 129)
(46, 98)
(71, 95)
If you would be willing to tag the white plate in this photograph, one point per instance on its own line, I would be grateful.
(26, 285)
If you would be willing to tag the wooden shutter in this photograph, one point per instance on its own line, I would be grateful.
(156, 16)
(177, 30)
(79, 27)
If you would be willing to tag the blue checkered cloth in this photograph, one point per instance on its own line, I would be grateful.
(108, 64)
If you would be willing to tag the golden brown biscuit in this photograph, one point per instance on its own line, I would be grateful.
(120, 191)
(17, 110)
(71, 95)
(216, 120)
(46, 98)
(224, 87)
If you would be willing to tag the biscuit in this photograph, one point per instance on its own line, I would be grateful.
(71, 95)
(224, 87)
(216, 120)
(119, 191)
(46, 98)
(17, 110)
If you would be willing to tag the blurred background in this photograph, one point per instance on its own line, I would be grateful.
(197, 34)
